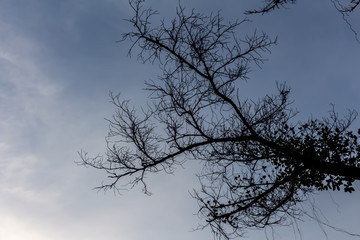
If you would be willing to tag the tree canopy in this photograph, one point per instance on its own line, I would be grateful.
(258, 162)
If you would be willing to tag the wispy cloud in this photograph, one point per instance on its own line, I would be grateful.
(25, 92)
(27, 98)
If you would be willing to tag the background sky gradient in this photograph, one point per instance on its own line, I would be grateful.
(60, 59)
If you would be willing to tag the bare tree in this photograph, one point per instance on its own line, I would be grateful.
(258, 162)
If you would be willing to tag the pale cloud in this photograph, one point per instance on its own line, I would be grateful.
(12, 228)
(25, 84)
(25, 93)
(14, 169)
(26, 99)
(16, 172)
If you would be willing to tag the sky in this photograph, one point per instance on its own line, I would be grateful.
(60, 59)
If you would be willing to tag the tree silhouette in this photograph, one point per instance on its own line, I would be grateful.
(258, 162)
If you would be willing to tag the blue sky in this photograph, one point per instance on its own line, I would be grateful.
(58, 62)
